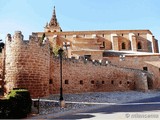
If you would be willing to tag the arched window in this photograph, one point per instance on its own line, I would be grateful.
(123, 45)
(139, 46)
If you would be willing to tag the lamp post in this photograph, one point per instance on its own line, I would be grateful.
(62, 103)
(66, 46)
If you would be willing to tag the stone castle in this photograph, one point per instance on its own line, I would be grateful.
(94, 61)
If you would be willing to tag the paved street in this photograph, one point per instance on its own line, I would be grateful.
(142, 109)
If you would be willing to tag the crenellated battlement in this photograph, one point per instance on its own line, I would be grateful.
(27, 62)
(18, 35)
(18, 38)
(30, 64)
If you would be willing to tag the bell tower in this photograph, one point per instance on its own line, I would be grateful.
(53, 25)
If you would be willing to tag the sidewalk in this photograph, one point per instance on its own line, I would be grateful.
(49, 108)
(96, 106)
(63, 113)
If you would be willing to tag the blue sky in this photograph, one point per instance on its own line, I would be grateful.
(31, 15)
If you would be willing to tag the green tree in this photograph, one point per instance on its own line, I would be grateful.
(55, 50)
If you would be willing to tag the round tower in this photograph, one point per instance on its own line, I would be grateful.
(27, 65)
(12, 51)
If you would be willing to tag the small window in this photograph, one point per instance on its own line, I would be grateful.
(145, 68)
(112, 82)
(128, 82)
(138, 34)
(102, 82)
(123, 45)
(92, 82)
(122, 34)
(134, 83)
(50, 81)
(120, 82)
(103, 45)
(139, 46)
(81, 82)
(66, 82)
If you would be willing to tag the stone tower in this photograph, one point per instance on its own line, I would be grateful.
(27, 65)
(53, 26)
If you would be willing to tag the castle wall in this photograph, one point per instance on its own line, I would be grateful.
(84, 76)
(155, 71)
(95, 55)
(139, 62)
(27, 65)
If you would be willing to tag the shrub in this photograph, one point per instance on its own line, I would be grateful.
(4, 108)
(55, 50)
(16, 105)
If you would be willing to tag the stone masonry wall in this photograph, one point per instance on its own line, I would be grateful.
(84, 76)
(27, 65)
(139, 62)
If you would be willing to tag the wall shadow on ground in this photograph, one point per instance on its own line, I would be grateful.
(118, 108)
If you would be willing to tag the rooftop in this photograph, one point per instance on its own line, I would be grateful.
(97, 31)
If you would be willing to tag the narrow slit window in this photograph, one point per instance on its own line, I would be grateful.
(102, 82)
(50, 81)
(81, 82)
(66, 82)
(112, 82)
(120, 82)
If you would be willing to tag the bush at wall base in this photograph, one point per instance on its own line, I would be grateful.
(16, 105)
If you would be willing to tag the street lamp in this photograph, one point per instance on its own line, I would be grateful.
(62, 103)
(66, 46)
